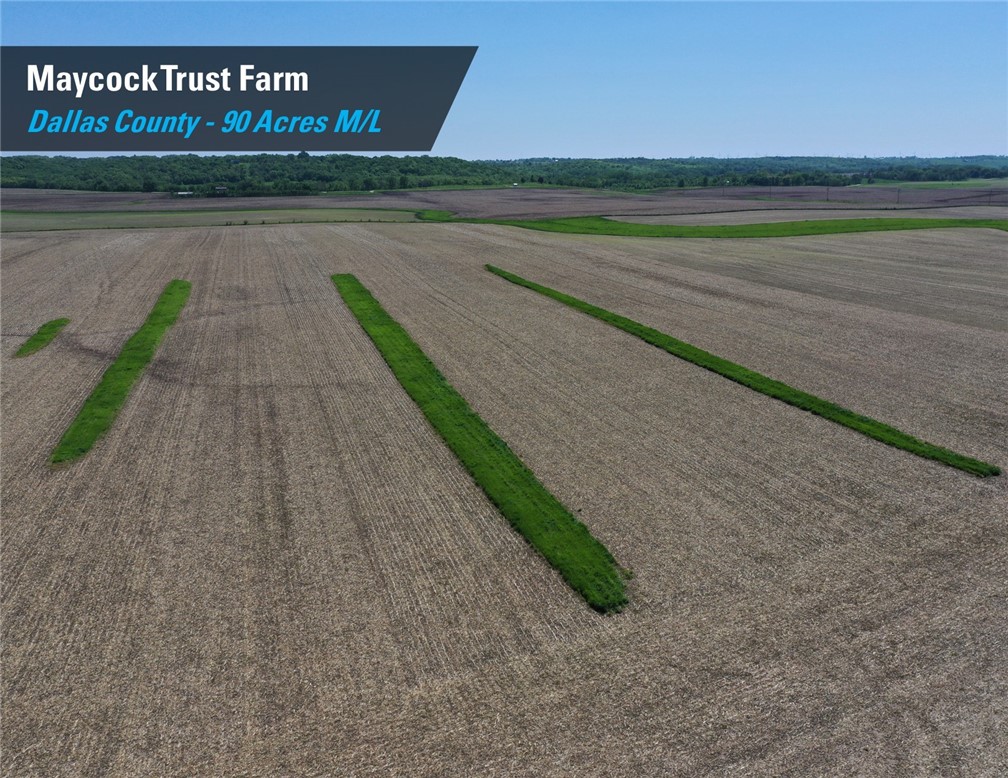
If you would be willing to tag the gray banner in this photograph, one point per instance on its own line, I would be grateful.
(240, 98)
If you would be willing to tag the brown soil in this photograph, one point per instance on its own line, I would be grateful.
(272, 566)
(529, 203)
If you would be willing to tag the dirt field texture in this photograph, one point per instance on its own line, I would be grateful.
(271, 564)
(529, 203)
(65, 220)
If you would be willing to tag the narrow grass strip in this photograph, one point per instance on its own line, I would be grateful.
(42, 338)
(545, 523)
(598, 225)
(761, 383)
(102, 405)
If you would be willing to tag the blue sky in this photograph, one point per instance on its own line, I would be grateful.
(658, 79)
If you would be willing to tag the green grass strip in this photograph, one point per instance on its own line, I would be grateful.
(761, 383)
(598, 225)
(42, 338)
(102, 405)
(430, 215)
(545, 523)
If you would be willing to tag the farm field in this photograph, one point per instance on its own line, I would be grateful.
(29, 221)
(272, 564)
(525, 203)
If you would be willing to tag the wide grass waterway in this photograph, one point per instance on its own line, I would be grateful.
(599, 225)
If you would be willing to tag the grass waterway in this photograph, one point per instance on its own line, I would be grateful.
(103, 404)
(761, 383)
(42, 338)
(599, 225)
(531, 509)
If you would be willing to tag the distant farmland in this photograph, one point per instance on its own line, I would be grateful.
(272, 563)
(530, 203)
(22, 221)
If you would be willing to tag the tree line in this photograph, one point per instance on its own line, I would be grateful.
(301, 174)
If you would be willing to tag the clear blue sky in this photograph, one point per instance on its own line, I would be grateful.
(659, 79)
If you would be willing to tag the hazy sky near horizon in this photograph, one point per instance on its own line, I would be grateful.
(657, 79)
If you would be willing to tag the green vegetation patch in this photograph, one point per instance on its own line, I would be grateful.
(566, 543)
(102, 405)
(431, 215)
(42, 337)
(598, 225)
(761, 383)
(967, 183)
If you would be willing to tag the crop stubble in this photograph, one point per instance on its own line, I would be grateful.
(247, 593)
(253, 534)
(99, 410)
(761, 383)
(528, 506)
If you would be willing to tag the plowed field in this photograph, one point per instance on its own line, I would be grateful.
(272, 565)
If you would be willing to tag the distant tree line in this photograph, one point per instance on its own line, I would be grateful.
(296, 174)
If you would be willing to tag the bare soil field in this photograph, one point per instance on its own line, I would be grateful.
(272, 565)
(88, 220)
(527, 203)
